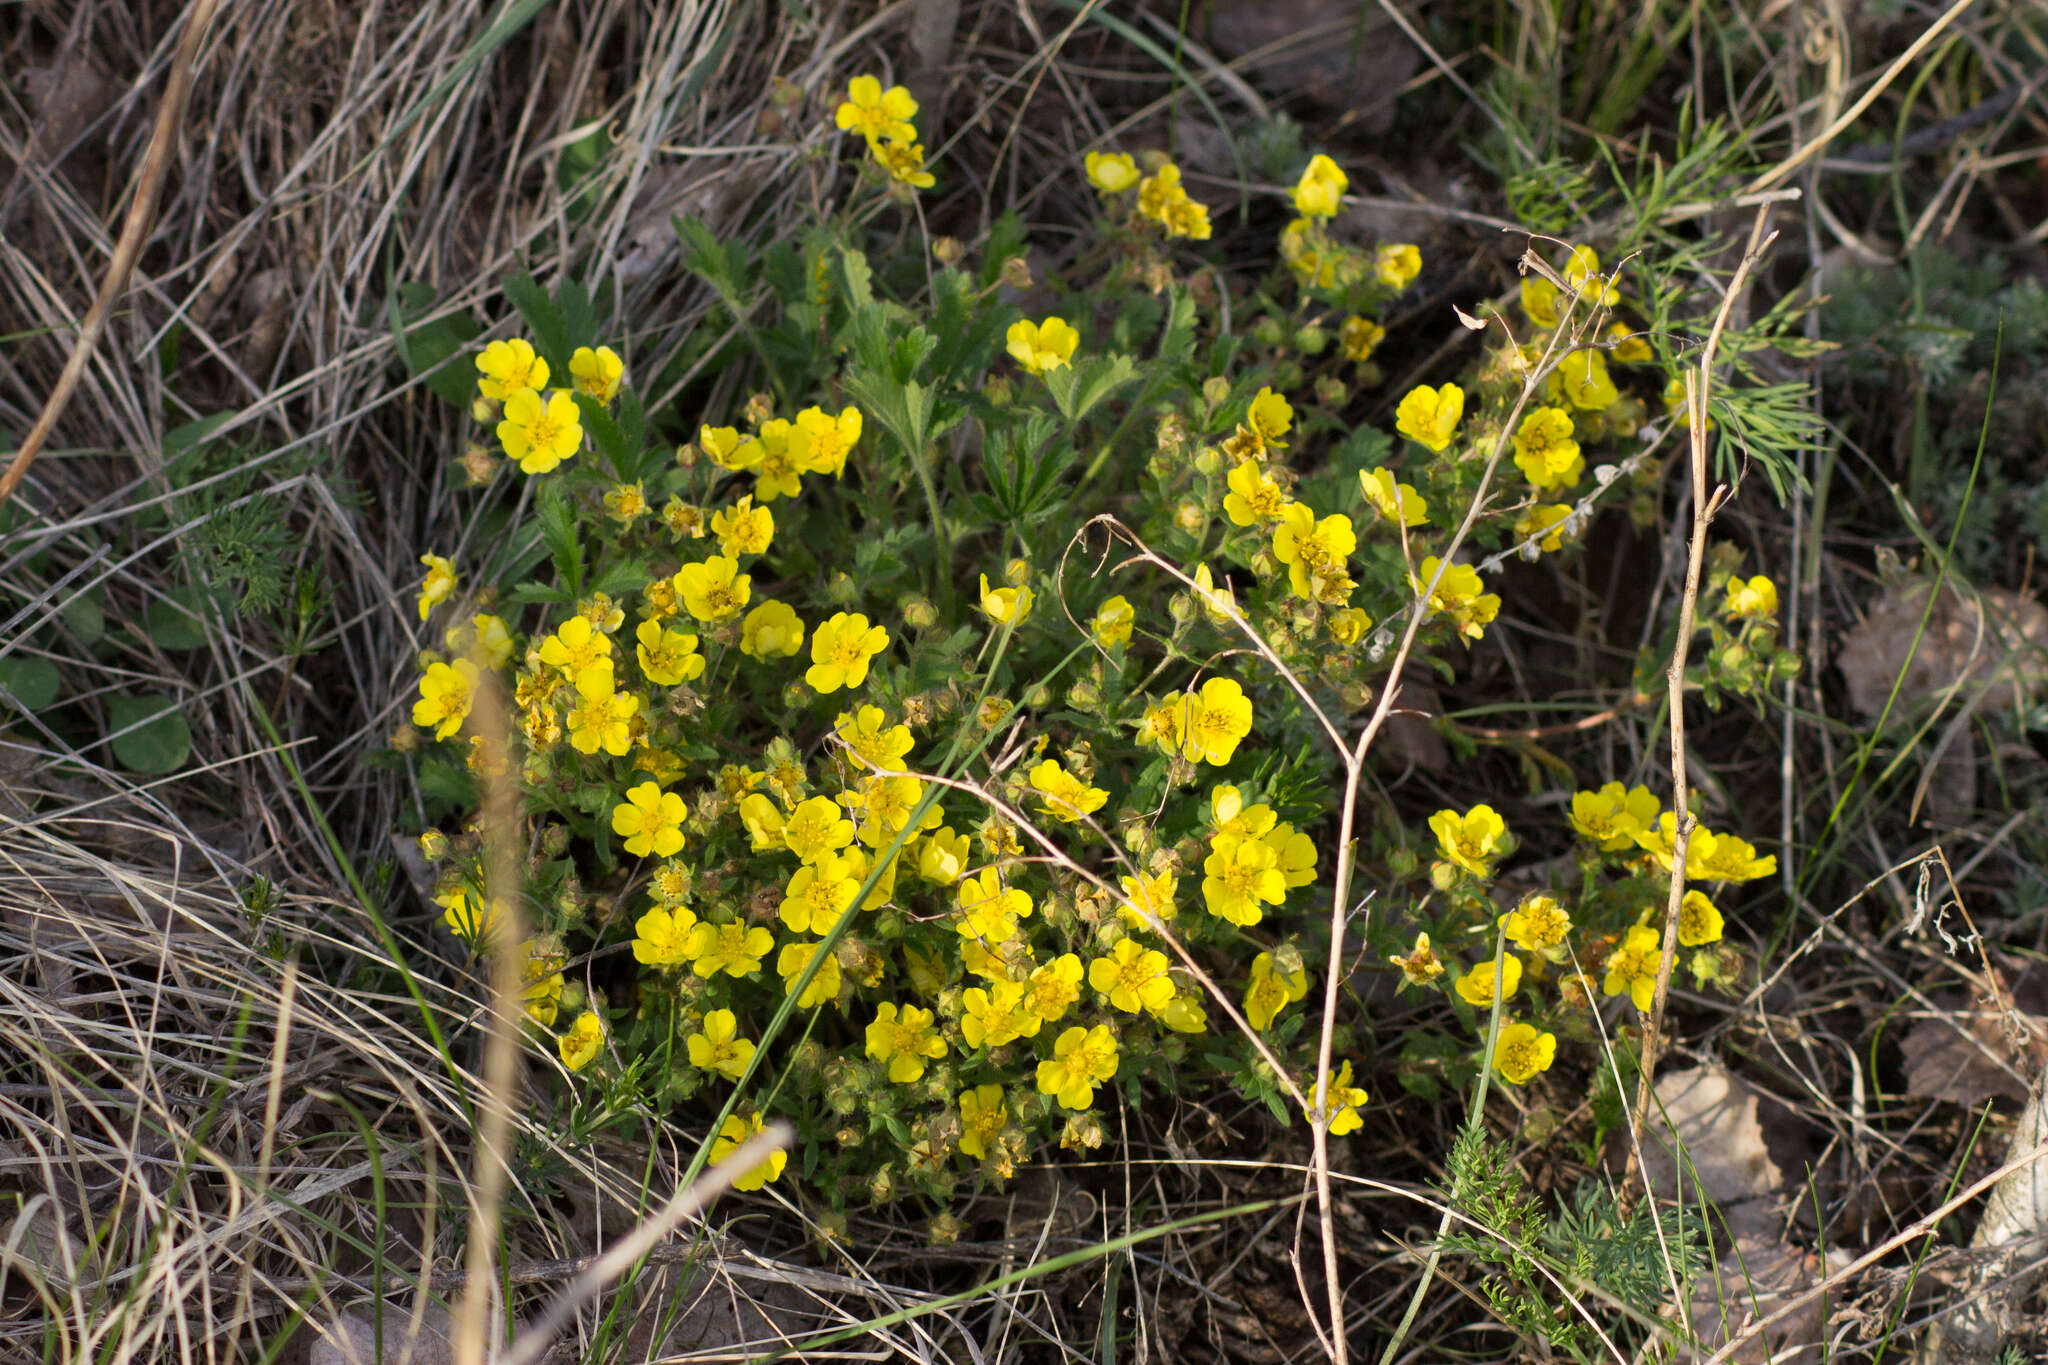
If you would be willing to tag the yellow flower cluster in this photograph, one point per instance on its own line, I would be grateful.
(883, 119)
(1161, 197)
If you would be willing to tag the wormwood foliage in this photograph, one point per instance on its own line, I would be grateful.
(916, 725)
(1540, 1258)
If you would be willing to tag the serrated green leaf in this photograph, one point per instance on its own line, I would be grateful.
(858, 277)
(619, 579)
(430, 350)
(544, 318)
(150, 735)
(32, 682)
(611, 441)
(558, 528)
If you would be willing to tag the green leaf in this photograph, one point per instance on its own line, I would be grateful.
(611, 441)
(150, 735)
(627, 576)
(544, 318)
(180, 439)
(1100, 376)
(429, 349)
(859, 277)
(558, 528)
(33, 682)
(177, 620)
(84, 619)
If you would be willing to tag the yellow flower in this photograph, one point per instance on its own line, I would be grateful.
(903, 1039)
(661, 938)
(1430, 416)
(1699, 920)
(1727, 858)
(1543, 525)
(1459, 596)
(1067, 798)
(1420, 965)
(1757, 597)
(1584, 374)
(1612, 816)
(1113, 622)
(1053, 987)
(1042, 346)
(743, 529)
(1541, 302)
(581, 1044)
(714, 589)
(1111, 172)
(509, 367)
(597, 372)
(1158, 190)
(1582, 272)
(903, 159)
(872, 741)
(1345, 1119)
(1629, 346)
(1538, 923)
(1632, 968)
(1152, 895)
(541, 984)
(876, 113)
(604, 723)
(1294, 854)
(841, 650)
(727, 449)
(982, 1115)
(1184, 217)
(1348, 625)
(736, 1130)
(775, 472)
(1315, 553)
(1216, 602)
(1132, 977)
(942, 856)
(732, 948)
(1211, 722)
(1359, 337)
(816, 829)
(819, 893)
(484, 639)
(1005, 605)
(820, 442)
(994, 1014)
(1397, 265)
(581, 653)
(440, 581)
(1469, 840)
(790, 964)
(1254, 497)
(718, 1047)
(989, 911)
(1659, 839)
(1270, 417)
(447, 691)
(1545, 451)
(1522, 1051)
(1478, 986)
(1320, 192)
(1082, 1059)
(651, 821)
(1241, 877)
(1389, 498)
(771, 629)
(540, 435)
(466, 916)
(1269, 991)
(668, 657)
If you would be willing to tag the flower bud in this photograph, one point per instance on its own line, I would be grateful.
(760, 408)
(948, 250)
(1191, 517)
(1017, 273)
(1208, 461)
(1311, 340)
(1268, 332)
(1215, 390)
(1331, 391)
